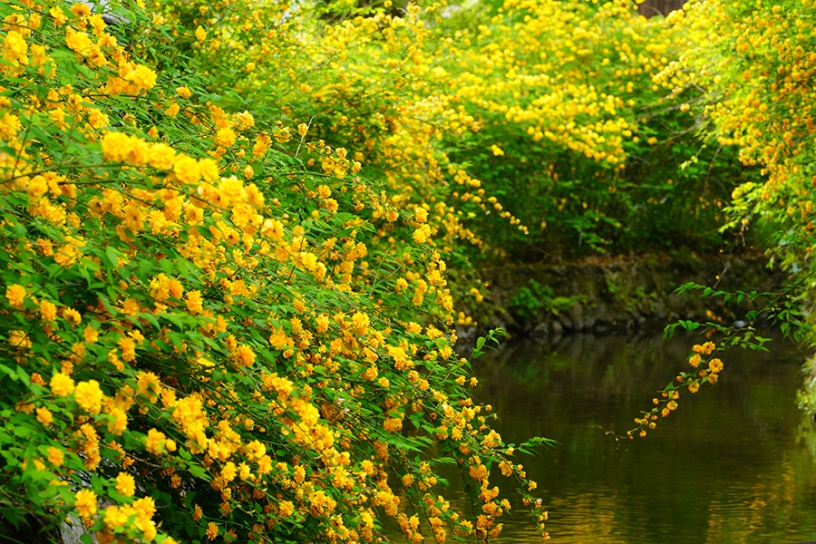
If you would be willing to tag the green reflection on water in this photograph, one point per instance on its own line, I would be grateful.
(733, 464)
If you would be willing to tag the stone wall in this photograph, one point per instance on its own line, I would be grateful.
(606, 295)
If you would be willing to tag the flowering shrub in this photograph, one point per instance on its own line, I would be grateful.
(757, 69)
(758, 72)
(215, 328)
(550, 100)
(233, 232)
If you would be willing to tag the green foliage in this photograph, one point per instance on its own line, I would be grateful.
(662, 187)
(536, 300)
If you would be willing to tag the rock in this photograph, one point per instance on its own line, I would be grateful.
(74, 533)
(576, 316)
(542, 329)
(660, 310)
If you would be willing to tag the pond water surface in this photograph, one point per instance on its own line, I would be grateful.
(735, 463)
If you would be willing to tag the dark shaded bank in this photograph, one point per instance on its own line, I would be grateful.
(620, 294)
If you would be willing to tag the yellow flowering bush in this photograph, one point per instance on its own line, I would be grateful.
(756, 70)
(215, 327)
(461, 110)
(233, 233)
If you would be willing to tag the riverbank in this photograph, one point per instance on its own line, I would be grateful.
(604, 295)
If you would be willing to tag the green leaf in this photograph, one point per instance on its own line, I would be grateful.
(112, 256)
(146, 266)
(199, 472)
(21, 431)
(11, 373)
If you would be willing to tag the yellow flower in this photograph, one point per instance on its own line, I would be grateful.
(116, 146)
(72, 316)
(145, 508)
(131, 307)
(286, 509)
(59, 17)
(200, 35)
(229, 472)
(116, 516)
(393, 424)
(128, 347)
(244, 356)
(360, 323)
(194, 302)
(15, 49)
(155, 441)
(61, 385)
(134, 218)
(421, 234)
(37, 378)
(78, 42)
(161, 156)
(48, 310)
(97, 119)
(80, 10)
(244, 120)
(44, 416)
(209, 169)
(184, 92)
(85, 503)
(149, 384)
(715, 365)
(19, 339)
(187, 169)
(143, 77)
(16, 296)
(125, 484)
(694, 360)
(55, 456)
(89, 396)
(118, 421)
(212, 531)
(225, 137)
(90, 335)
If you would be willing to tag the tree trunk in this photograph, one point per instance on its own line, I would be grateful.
(650, 8)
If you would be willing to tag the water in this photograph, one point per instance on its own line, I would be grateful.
(735, 463)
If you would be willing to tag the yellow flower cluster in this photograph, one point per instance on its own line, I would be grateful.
(667, 402)
(208, 292)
